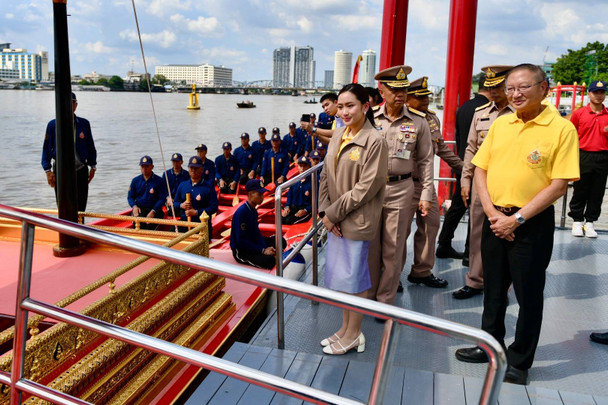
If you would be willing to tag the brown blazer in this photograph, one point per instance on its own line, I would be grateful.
(352, 187)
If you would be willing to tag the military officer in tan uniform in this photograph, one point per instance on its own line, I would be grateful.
(407, 134)
(427, 226)
(484, 116)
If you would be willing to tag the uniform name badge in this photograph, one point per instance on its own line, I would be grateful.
(403, 154)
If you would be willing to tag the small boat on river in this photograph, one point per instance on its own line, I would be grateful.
(245, 104)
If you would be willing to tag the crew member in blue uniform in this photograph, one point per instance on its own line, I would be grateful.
(202, 195)
(175, 175)
(227, 170)
(299, 197)
(261, 146)
(246, 241)
(85, 154)
(315, 158)
(281, 163)
(247, 156)
(293, 143)
(147, 193)
(325, 121)
(208, 165)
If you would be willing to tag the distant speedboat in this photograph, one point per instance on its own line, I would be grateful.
(311, 101)
(245, 104)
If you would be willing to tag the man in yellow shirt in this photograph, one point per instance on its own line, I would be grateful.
(522, 167)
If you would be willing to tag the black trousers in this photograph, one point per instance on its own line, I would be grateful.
(452, 218)
(291, 218)
(522, 262)
(259, 259)
(586, 202)
(82, 187)
(226, 189)
(144, 213)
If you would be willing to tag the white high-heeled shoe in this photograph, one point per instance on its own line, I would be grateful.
(358, 343)
(332, 339)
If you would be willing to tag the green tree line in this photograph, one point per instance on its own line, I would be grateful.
(583, 65)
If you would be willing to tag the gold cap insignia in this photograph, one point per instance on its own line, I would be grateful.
(193, 160)
(175, 156)
(262, 184)
(600, 84)
(144, 160)
(425, 83)
(400, 74)
(490, 74)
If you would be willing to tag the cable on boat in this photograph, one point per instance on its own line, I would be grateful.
(160, 144)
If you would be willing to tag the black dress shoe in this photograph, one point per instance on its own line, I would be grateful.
(472, 355)
(447, 252)
(429, 281)
(466, 292)
(400, 287)
(465, 261)
(599, 337)
(516, 376)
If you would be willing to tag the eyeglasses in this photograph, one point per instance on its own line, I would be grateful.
(521, 89)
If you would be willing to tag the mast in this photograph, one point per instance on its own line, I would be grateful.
(394, 30)
(65, 159)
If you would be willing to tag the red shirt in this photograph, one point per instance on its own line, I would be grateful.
(592, 129)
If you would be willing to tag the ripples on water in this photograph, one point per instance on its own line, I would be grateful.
(123, 129)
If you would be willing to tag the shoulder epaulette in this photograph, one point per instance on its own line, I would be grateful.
(420, 113)
(481, 107)
(375, 108)
(431, 112)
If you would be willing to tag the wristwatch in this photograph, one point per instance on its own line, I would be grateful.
(314, 130)
(520, 219)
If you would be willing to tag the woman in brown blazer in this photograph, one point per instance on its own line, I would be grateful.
(351, 195)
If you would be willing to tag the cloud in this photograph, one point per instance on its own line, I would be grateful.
(161, 8)
(163, 39)
(98, 47)
(356, 22)
(201, 25)
(225, 56)
(9, 16)
(305, 24)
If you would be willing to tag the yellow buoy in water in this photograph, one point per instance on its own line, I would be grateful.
(194, 99)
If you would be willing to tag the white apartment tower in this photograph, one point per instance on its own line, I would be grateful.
(22, 65)
(367, 68)
(343, 62)
(293, 67)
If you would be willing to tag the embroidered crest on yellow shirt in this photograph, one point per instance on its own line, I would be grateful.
(354, 154)
(534, 157)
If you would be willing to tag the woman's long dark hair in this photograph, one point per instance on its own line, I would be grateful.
(361, 95)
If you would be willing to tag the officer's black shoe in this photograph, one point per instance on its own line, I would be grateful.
(516, 376)
(465, 261)
(466, 292)
(448, 252)
(400, 287)
(472, 355)
(599, 337)
(429, 281)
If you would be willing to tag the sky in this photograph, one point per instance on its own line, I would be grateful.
(242, 34)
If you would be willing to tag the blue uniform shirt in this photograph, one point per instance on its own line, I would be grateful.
(281, 164)
(261, 148)
(294, 145)
(325, 121)
(209, 171)
(247, 158)
(83, 143)
(202, 198)
(245, 234)
(175, 179)
(226, 168)
(149, 193)
(300, 194)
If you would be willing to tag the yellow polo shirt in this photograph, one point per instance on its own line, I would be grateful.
(522, 158)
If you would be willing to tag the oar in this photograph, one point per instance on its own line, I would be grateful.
(272, 168)
(188, 201)
(235, 200)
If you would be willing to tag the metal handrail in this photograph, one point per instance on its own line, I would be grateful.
(491, 386)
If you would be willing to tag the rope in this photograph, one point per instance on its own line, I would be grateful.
(160, 145)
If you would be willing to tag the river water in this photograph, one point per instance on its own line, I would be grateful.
(123, 129)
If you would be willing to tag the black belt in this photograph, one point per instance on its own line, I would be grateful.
(507, 210)
(416, 179)
(390, 179)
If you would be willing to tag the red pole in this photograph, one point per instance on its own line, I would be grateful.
(394, 29)
(558, 95)
(459, 71)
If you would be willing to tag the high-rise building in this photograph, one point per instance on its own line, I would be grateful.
(204, 75)
(367, 68)
(27, 65)
(343, 62)
(329, 79)
(293, 67)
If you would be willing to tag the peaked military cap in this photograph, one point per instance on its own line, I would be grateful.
(419, 87)
(394, 77)
(495, 74)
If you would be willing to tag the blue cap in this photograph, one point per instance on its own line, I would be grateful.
(276, 130)
(315, 154)
(598, 85)
(313, 115)
(145, 160)
(292, 124)
(226, 145)
(244, 135)
(255, 185)
(74, 97)
(320, 145)
(261, 130)
(201, 146)
(303, 160)
(275, 137)
(195, 161)
(176, 157)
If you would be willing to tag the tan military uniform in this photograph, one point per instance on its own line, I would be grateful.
(428, 226)
(483, 118)
(409, 148)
